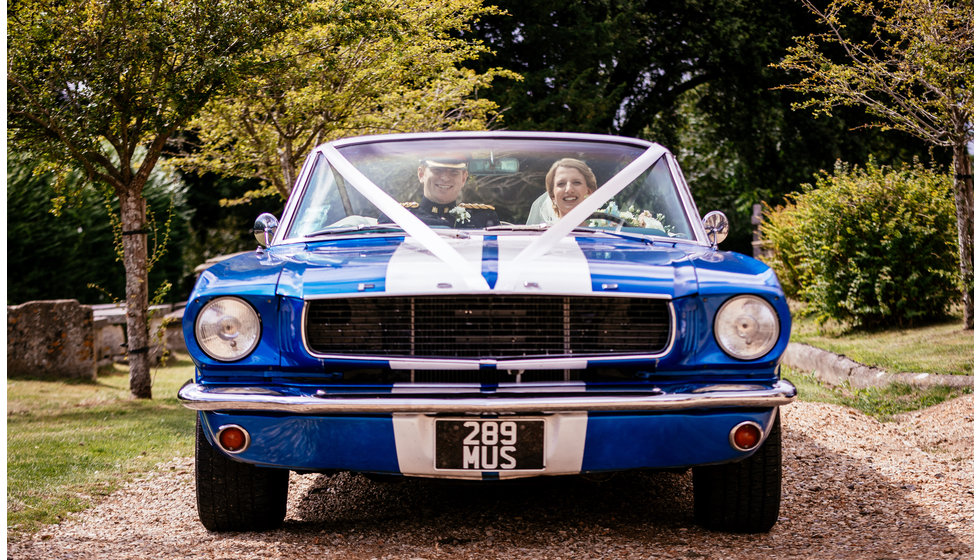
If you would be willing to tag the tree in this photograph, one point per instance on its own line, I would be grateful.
(693, 75)
(71, 250)
(367, 67)
(914, 74)
(103, 85)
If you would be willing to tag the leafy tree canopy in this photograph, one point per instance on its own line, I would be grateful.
(693, 75)
(73, 253)
(912, 71)
(358, 68)
(125, 72)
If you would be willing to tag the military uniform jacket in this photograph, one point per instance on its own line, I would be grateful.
(466, 215)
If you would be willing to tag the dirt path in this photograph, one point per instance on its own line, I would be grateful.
(853, 488)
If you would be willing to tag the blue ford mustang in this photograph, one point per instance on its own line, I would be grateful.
(486, 306)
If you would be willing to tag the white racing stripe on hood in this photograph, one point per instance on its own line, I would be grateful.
(413, 269)
(562, 270)
(506, 389)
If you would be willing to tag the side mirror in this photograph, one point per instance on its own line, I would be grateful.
(716, 226)
(265, 229)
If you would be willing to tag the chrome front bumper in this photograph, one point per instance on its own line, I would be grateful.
(520, 399)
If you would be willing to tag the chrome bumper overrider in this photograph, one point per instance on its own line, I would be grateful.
(262, 399)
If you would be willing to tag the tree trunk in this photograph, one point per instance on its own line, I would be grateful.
(963, 191)
(133, 215)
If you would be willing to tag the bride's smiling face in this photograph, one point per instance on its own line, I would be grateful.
(570, 189)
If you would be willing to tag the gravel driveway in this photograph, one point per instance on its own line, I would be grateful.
(853, 488)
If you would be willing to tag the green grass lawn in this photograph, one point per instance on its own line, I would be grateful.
(941, 348)
(70, 443)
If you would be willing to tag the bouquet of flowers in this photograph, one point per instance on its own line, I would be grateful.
(634, 217)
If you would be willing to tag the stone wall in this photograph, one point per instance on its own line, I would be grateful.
(65, 339)
(110, 331)
(51, 339)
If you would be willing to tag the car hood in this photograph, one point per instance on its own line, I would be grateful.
(593, 264)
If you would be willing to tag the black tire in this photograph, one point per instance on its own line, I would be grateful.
(742, 497)
(234, 496)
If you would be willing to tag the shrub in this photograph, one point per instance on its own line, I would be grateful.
(870, 246)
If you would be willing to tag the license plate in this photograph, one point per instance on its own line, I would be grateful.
(490, 444)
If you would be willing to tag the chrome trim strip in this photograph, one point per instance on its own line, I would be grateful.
(401, 364)
(421, 293)
(198, 397)
(690, 207)
(293, 202)
(491, 135)
(457, 364)
(511, 388)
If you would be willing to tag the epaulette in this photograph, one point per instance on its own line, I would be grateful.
(475, 206)
(410, 204)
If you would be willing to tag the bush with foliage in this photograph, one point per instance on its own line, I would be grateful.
(869, 246)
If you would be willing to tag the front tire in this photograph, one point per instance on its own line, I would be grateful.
(234, 496)
(742, 497)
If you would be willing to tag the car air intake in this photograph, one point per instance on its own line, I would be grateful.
(488, 326)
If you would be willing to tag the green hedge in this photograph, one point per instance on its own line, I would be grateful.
(869, 246)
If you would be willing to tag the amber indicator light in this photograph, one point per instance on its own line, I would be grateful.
(232, 439)
(746, 436)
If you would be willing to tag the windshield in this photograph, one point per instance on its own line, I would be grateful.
(491, 184)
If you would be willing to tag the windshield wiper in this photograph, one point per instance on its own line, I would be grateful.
(580, 229)
(619, 234)
(357, 228)
(518, 227)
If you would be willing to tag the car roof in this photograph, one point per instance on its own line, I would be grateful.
(502, 134)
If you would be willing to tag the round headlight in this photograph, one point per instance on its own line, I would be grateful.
(746, 327)
(227, 329)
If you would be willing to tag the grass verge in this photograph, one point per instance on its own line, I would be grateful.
(880, 403)
(941, 348)
(71, 443)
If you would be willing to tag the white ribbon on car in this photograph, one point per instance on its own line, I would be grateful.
(413, 226)
(511, 278)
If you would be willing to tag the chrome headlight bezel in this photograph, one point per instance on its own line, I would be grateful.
(227, 329)
(746, 327)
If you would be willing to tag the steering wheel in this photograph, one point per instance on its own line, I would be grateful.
(619, 220)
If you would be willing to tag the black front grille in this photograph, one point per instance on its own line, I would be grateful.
(488, 327)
